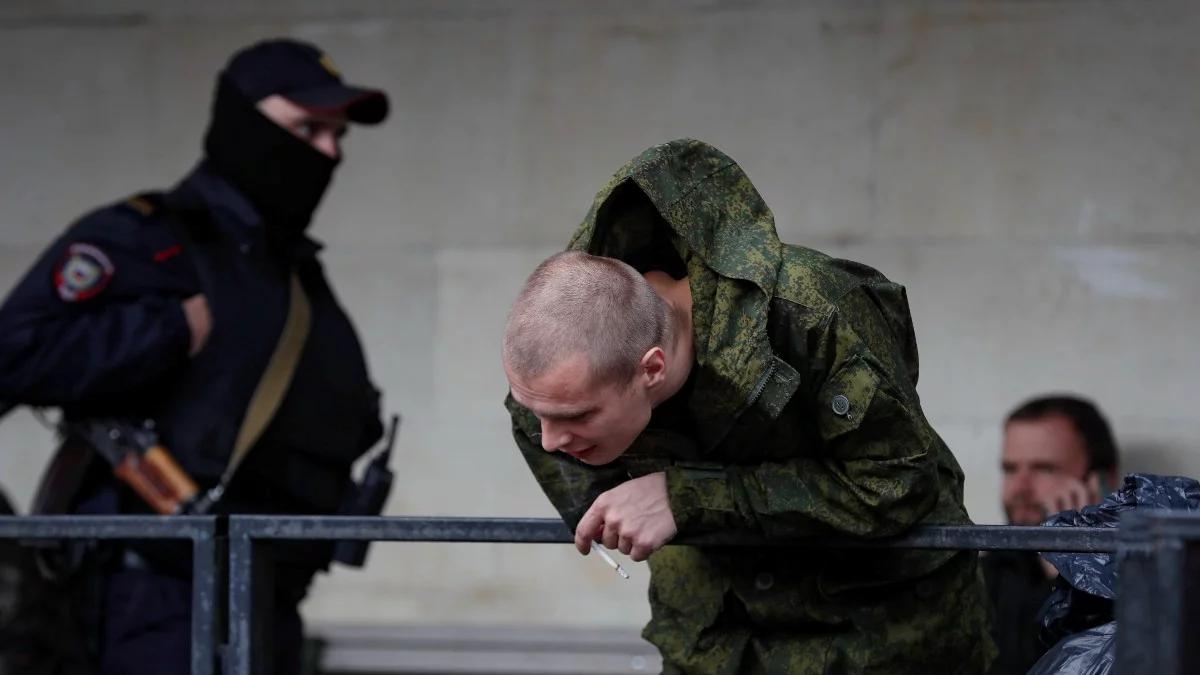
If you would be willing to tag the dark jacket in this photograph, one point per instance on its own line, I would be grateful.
(96, 327)
(1017, 587)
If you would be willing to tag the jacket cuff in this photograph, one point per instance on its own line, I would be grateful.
(701, 498)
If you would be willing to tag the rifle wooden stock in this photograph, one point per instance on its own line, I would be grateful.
(157, 478)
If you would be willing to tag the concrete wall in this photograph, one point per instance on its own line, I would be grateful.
(1027, 169)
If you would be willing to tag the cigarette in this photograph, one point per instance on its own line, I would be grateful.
(609, 559)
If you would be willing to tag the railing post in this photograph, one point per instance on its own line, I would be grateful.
(208, 564)
(1137, 622)
(1159, 598)
(251, 594)
(241, 601)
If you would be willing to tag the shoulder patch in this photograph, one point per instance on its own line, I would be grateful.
(84, 272)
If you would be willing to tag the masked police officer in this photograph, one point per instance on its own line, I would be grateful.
(171, 306)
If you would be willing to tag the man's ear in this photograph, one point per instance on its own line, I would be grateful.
(652, 370)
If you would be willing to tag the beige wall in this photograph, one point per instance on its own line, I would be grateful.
(1027, 169)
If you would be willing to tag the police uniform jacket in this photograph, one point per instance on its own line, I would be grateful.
(97, 328)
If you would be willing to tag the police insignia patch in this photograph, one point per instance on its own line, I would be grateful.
(84, 271)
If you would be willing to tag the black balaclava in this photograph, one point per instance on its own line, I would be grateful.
(281, 174)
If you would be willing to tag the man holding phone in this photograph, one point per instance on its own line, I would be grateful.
(1058, 454)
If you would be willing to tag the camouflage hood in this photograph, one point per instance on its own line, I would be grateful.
(691, 199)
(706, 199)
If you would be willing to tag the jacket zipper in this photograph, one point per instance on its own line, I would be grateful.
(761, 386)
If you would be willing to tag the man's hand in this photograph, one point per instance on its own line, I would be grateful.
(634, 518)
(199, 320)
(1064, 493)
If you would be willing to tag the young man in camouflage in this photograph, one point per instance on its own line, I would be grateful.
(681, 371)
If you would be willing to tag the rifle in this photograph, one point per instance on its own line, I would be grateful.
(139, 461)
(132, 450)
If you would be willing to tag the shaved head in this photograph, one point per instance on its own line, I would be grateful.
(575, 303)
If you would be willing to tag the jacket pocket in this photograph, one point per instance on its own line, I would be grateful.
(844, 400)
(687, 591)
(774, 390)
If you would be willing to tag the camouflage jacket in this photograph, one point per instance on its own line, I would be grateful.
(802, 418)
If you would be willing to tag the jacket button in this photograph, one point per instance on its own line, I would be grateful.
(841, 404)
(764, 581)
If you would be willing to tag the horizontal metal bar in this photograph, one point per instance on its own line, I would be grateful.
(952, 537)
(1161, 524)
(107, 527)
(532, 530)
(553, 531)
(400, 528)
(529, 530)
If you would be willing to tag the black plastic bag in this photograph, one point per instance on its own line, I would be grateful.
(1078, 616)
(1090, 652)
(1096, 573)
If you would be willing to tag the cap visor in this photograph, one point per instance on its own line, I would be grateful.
(364, 106)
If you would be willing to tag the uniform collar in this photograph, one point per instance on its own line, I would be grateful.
(226, 201)
(233, 213)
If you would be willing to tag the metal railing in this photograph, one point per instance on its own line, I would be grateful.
(1158, 554)
(1158, 601)
(250, 564)
(208, 561)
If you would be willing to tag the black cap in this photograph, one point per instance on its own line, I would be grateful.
(304, 75)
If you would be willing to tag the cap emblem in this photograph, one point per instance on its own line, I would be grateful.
(327, 64)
